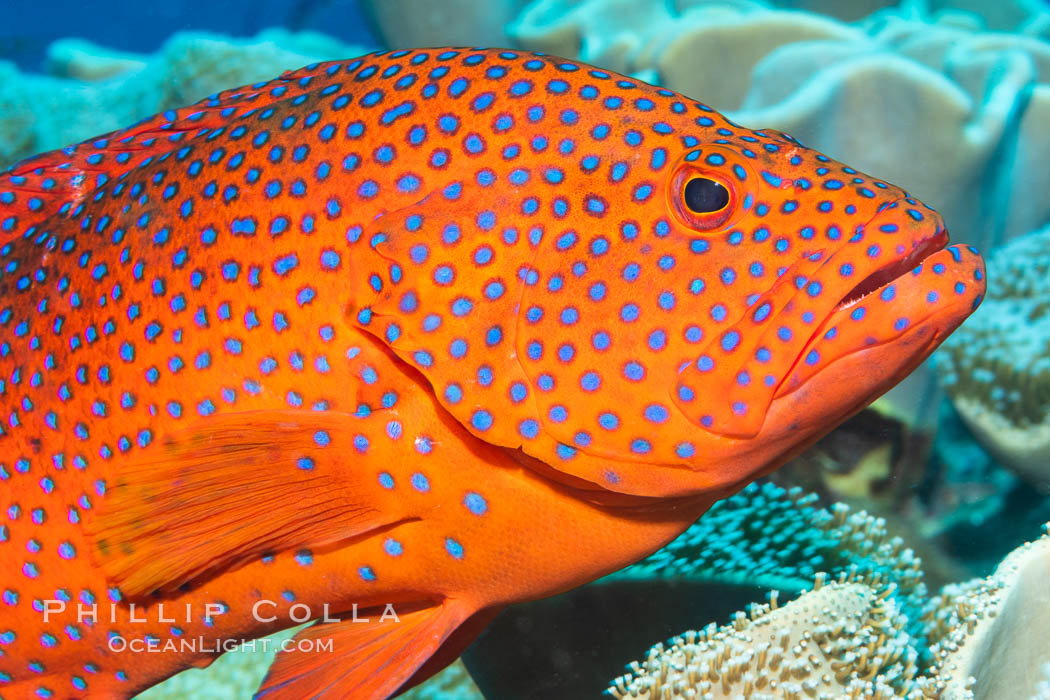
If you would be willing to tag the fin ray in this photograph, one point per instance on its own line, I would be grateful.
(232, 489)
(371, 660)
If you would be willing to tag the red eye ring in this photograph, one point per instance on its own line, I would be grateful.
(713, 187)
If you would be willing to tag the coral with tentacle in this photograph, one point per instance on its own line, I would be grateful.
(987, 638)
(781, 538)
(996, 367)
(841, 639)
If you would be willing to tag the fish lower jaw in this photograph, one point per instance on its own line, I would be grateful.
(925, 304)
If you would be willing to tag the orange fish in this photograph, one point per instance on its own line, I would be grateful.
(409, 338)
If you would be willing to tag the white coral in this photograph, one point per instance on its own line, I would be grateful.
(989, 639)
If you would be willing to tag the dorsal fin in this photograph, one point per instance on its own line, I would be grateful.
(56, 181)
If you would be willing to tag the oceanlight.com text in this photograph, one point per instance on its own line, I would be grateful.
(204, 645)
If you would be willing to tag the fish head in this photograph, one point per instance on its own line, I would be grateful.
(647, 297)
(824, 288)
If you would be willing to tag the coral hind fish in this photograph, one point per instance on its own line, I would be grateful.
(420, 335)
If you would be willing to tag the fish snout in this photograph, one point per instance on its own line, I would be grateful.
(898, 283)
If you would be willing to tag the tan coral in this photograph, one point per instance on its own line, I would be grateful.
(612, 34)
(992, 636)
(414, 23)
(80, 59)
(989, 639)
(738, 43)
(839, 638)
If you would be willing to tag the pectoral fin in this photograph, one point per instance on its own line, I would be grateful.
(233, 488)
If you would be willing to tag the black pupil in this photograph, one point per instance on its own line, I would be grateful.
(704, 196)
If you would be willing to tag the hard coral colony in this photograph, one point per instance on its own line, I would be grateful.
(437, 330)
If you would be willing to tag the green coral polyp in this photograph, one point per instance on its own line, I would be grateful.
(780, 538)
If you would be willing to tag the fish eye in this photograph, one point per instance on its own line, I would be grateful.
(705, 196)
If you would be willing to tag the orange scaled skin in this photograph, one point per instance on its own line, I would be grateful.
(434, 329)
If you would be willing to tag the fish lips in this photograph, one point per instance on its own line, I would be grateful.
(854, 368)
(877, 333)
(891, 321)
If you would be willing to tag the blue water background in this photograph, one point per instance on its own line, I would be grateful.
(29, 26)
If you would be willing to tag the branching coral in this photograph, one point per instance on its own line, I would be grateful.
(996, 367)
(988, 637)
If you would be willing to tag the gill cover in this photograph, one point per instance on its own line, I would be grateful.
(579, 328)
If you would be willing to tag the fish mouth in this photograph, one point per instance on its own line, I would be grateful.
(869, 290)
(879, 331)
(923, 293)
(895, 269)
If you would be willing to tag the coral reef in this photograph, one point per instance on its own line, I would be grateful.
(1004, 15)
(81, 59)
(94, 90)
(839, 640)
(413, 23)
(995, 631)
(780, 538)
(996, 367)
(987, 639)
(763, 537)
